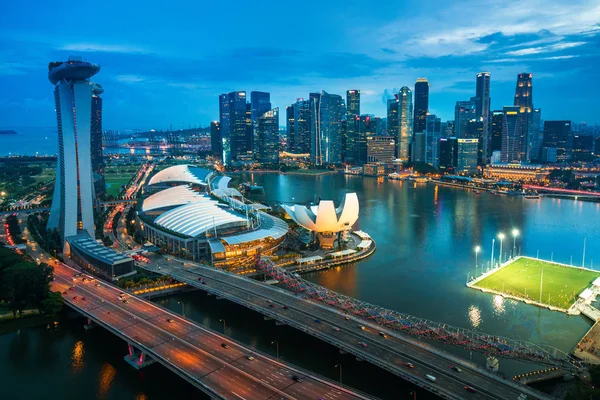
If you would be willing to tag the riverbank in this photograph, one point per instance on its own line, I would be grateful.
(27, 321)
(307, 172)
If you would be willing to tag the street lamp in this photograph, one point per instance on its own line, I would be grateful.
(501, 237)
(223, 321)
(515, 233)
(477, 249)
(276, 343)
(339, 365)
(182, 308)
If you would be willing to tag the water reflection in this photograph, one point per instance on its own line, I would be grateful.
(106, 378)
(498, 304)
(77, 356)
(474, 316)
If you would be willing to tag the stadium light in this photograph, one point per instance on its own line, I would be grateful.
(515, 233)
(501, 236)
(477, 249)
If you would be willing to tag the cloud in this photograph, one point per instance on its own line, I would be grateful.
(99, 47)
(130, 78)
(545, 49)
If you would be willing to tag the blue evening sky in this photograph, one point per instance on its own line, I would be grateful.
(166, 62)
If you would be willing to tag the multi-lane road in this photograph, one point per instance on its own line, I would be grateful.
(392, 352)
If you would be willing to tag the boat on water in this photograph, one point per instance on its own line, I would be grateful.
(532, 196)
(395, 176)
(421, 179)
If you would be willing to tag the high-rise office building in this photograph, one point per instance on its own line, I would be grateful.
(558, 135)
(326, 133)
(421, 104)
(448, 154)
(475, 131)
(96, 141)
(512, 139)
(289, 126)
(267, 128)
(260, 103)
(418, 147)
(448, 129)
(466, 156)
(353, 102)
(237, 137)
(73, 200)
(524, 100)
(597, 146)
(216, 141)
(433, 134)
(352, 125)
(496, 130)
(482, 109)
(367, 128)
(464, 111)
(537, 134)
(300, 140)
(583, 147)
(392, 121)
(405, 123)
(380, 149)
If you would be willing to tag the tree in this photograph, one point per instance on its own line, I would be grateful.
(52, 304)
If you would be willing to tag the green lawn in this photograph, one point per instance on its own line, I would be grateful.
(117, 176)
(560, 288)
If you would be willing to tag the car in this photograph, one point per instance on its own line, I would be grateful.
(203, 282)
(250, 357)
(272, 305)
(285, 307)
(72, 288)
(318, 321)
(347, 318)
(125, 301)
(224, 345)
(200, 279)
(335, 328)
(65, 292)
(297, 378)
(431, 378)
(74, 297)
(269, 301)
(470, 389)
(170, 320)
(362, 327)
(83, 298)
(159, 268)
(409, 365)
(109, 312)
(363, 344)
(382, 334)
(455, 368)
(97, 285)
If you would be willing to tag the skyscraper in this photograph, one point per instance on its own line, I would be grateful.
(475, 131)
(302, 127)
(448, 154)
(380, 149)
(464, 111)
(512, 140)
(392, 121)
(466, 156)
(260, 103)
(421, 104)
(405, 123)
(237, 139)
(352, 126)
(482, 110)
(558, 135)
(524, 100)
(496, 130)
(216, 141)
(433, 134)
(289, 127)
(72, 204)
(366, 130)
(268, 137)
(353, 102)
(537, 134)
(327, 115)
(96, 141)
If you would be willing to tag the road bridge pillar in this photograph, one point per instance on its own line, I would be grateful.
(89, 325)
(137, 358)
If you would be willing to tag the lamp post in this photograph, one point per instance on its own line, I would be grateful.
(340, 366)
(501, 237)
(492, 259)
(515, 233)
(276, 343)
(182, 308)
(223, 321)
(477, 249)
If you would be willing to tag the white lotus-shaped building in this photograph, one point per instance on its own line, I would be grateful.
(324, 219)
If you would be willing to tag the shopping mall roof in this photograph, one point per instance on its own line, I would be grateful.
(270, 227)
(325, 217)
(182, 173)
(175, 196)
(198, 217)
(220, 182)
(84, 243)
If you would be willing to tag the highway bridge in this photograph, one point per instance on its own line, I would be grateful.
(215, 364)
(393, 352)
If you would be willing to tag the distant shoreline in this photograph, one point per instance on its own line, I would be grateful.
(8, 132)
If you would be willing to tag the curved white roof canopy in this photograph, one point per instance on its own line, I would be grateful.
(182, 173)
(325, 217)
(175, 196)
(198, 217)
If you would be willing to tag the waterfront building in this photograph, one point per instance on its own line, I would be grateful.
(300, 141)
(96, 141)
(421, 104)
(366, 130)
(524, 100)
(464, 111)
(537, 134)
(448, 148)
(466, 156)
(374, 169)
(496, 130)
(216, 141)
(405, 123)
(515, 172)
(352, 127)
(73, 199)
(326, 129)
(325, 220)
(237, 137)
(482, 110)
(104, 261)
(290, 127)
(392, 121)
(511, 135)
(418, 147)
(267, 127)
(558, 135)
(548, 154)
(583, 146)
(380, 149)
(433, 133)
(475, 130)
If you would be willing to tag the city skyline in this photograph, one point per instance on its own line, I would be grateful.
(155, 79)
